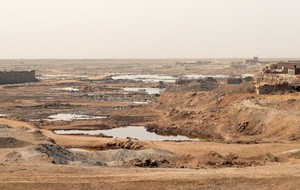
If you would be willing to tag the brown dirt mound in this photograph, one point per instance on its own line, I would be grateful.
(214, 159)
(10, 142)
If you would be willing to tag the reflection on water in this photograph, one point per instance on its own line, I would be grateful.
(131, 131)
(69, 89)
(147, 90)
(70, 117)
(60, 76)
(145, 78)
(138, 102)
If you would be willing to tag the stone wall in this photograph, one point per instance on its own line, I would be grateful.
(15, 77)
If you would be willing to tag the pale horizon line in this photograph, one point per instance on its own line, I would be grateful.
(145, 58)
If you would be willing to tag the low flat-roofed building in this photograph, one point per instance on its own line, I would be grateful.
(289, 64)
(294, 71)
(15, 77)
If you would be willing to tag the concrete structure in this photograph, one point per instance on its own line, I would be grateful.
(15, 77)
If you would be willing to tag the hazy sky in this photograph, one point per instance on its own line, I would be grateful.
(149, 28)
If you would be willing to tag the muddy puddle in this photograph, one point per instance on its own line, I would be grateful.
(71, 117)
(150, 91)
(68, 89)
(145, 78)
(131, 131)
(138, 102)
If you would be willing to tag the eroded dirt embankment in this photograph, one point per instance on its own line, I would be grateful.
(23, 143)
(230, 113)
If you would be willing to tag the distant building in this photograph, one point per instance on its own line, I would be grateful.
(294, 71)
(291, 64)
(255, 60)
(291, 67)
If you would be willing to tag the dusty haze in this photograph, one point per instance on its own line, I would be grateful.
(149, 28)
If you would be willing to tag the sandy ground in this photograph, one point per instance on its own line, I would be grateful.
(285, 176)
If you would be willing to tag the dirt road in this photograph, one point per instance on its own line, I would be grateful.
(285, 176)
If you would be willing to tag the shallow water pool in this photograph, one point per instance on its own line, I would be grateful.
(138, 132)
(70, 117)
(147, 90)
